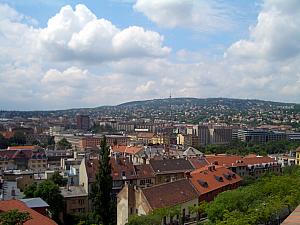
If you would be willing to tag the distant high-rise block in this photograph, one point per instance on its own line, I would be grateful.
(83, 122)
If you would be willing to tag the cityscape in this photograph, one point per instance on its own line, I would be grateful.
(139, 112)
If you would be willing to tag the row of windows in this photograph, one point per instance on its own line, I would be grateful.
(78, 210)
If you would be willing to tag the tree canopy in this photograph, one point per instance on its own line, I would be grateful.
(263, 201)
(49, 192)
(58, 179)
(14, 217)
(244, 148)
(101, 193)
(64, 143)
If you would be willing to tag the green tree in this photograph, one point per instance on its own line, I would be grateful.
(18, 139)
(29, 190)
(58, 179)
(3, 142)
(14, 217)
(50, 193)
(101, 193)
(64, 143)
(258, 203)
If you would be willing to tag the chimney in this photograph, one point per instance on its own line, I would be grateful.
(188, 174)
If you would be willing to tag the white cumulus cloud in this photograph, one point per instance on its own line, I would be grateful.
(79, 35)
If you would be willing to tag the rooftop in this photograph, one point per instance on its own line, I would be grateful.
(293, 218)
(34, 202)
(36, 218)
(211, 178)
(170, 194)
(170, 165)
(73, 191)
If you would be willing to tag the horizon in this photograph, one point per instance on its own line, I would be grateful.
(144, 100)
(83, 54)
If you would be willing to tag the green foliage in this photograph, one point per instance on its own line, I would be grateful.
(30, 190)
(50, 193)
(58, 179)
(260, 202)
(3, 142)
(102, 128)
(14, 217)
(155, 217)
(63, 143)
(18, 139)
(243, 148)
(101, 193)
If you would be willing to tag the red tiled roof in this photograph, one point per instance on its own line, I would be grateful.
(7, 134)
(259, 160)
(14, 154)
(36, 218)
(233, 160)
(210, 176)
(127, 149)
(226, 160)
(170, 194)
(144, 171)
(293, 218)
(118, 166)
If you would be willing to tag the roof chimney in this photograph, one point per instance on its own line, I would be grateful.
(188, 174)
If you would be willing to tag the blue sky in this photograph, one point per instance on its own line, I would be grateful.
(110, 51)
(121, 13)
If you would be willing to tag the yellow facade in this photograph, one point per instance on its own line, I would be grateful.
(298, 158)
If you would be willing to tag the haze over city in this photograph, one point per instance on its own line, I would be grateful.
(63, 54)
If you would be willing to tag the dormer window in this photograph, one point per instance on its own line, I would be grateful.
(219, 178)
(203, 183)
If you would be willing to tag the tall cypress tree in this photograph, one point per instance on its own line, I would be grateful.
(102, 188)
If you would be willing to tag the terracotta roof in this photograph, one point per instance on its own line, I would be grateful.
(170, 194)
(259, 160)
(119, 167)
(144, 171)
(293, 218)
(36, 218)
(14, 154)
(170, 165)
(298, 149)
(212, 178)
(127, 149)
(7, 134)
(226, 160)
(122, 169)
(233, 160)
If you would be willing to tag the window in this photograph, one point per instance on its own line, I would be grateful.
(142, 182)
(81, 201)
(148, 181)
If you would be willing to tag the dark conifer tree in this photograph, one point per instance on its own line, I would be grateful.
(101, 193)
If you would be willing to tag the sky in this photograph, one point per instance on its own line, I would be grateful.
(58, 54)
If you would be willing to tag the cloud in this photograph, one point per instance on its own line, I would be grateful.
(79, 35)
(198, 15)
(79, 60)
(145, 88)
(275, 36)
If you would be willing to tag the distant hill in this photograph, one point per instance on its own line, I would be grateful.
(164, 108)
